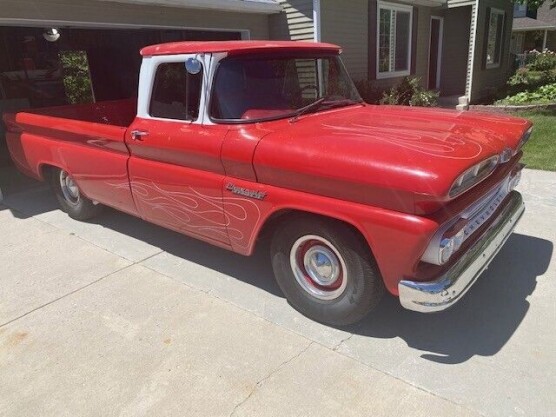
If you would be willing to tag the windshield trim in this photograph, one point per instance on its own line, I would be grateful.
(287, 115)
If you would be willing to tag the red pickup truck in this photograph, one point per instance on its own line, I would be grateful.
(228, 141)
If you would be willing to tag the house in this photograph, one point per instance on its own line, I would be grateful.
(533, 28)
(457, 46)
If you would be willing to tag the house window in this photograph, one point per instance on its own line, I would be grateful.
(494, 38)
(393, 39)
(176, 93)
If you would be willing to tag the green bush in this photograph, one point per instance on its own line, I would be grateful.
(540, 70)
(543, 61)
(368, 92)
(409, 92)
(545, 94)
(77, 79)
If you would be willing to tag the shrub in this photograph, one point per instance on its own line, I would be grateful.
(409, 92)
(543, 61)
(368, 92)
(545, 94)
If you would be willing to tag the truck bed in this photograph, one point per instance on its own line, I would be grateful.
(116, 113)
(87, 140)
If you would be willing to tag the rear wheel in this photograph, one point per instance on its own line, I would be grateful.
(70, 198)
(325, 270)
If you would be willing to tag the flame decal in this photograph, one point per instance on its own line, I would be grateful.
(430, 145)
(220, 218)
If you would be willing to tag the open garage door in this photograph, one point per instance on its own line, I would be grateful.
(81, 65)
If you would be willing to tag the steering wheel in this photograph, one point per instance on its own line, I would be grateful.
(296, 97)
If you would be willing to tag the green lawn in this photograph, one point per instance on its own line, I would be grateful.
(540, 151)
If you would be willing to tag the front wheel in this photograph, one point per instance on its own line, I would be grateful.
(325, 270)
(70, 198)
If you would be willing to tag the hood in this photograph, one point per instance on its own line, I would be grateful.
(382, 155)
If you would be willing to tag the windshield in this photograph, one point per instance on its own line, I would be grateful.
(263, 88)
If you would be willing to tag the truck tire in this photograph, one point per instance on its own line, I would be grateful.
(325, 270)
(70, 198)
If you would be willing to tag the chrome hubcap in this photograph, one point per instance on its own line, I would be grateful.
(69, 188)
(318, 267)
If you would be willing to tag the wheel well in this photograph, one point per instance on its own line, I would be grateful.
(45, 171)
(282, 216)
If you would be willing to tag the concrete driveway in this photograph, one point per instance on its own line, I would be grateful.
(118, 317)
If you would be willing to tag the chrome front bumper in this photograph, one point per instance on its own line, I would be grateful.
(442, 293)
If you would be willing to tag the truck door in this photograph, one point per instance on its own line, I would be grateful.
(175, 170)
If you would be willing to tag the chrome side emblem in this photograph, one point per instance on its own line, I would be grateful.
(258, 195)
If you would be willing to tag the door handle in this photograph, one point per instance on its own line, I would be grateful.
(138, 134)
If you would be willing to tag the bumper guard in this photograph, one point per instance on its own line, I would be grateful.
(442, 293)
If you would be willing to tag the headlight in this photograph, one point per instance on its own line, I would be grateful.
(524, 138)
(473, 175)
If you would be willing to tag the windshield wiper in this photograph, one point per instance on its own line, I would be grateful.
(323, 102)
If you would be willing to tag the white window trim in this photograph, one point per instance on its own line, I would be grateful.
(397, 7)
(503, 13)
(146, 83)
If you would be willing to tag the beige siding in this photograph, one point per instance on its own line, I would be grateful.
(295, 23)
(348, 27)
(486, 81)
(90, 11)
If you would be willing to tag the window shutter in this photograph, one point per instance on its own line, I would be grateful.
(414, 41)
(372, 39)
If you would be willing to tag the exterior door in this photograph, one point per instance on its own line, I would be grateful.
(175, 170)
(435, 52)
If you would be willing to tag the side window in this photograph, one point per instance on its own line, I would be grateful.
(176, 93)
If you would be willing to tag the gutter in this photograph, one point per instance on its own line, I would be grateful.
(238, 6)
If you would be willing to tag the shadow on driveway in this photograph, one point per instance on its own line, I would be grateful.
(482, 321)
(480, 324)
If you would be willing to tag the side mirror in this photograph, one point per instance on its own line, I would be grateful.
(193, 66)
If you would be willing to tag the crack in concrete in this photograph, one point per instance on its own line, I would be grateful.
(335, 348)
(84, 286)
(261, 382)
(64, 296)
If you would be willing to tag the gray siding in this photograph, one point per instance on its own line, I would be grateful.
(295, 22)
(90, 11)
(486, 81)
(348, 26)
(423, 43)
(455, 47)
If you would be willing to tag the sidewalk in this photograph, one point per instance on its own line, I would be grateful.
(120, 317)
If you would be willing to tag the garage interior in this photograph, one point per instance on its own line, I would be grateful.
(82, 65)
(96, 57)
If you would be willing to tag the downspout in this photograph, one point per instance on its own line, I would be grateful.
(316, 21)
(317, 38)
(472, 48)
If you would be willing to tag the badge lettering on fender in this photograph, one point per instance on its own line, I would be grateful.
(258, 195)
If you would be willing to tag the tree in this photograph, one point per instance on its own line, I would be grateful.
(535, 4)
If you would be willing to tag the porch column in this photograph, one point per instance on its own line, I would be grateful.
(544, 39)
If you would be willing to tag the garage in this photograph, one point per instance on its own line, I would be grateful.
(82, 51)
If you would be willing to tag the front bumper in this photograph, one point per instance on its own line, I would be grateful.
(442, 293)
